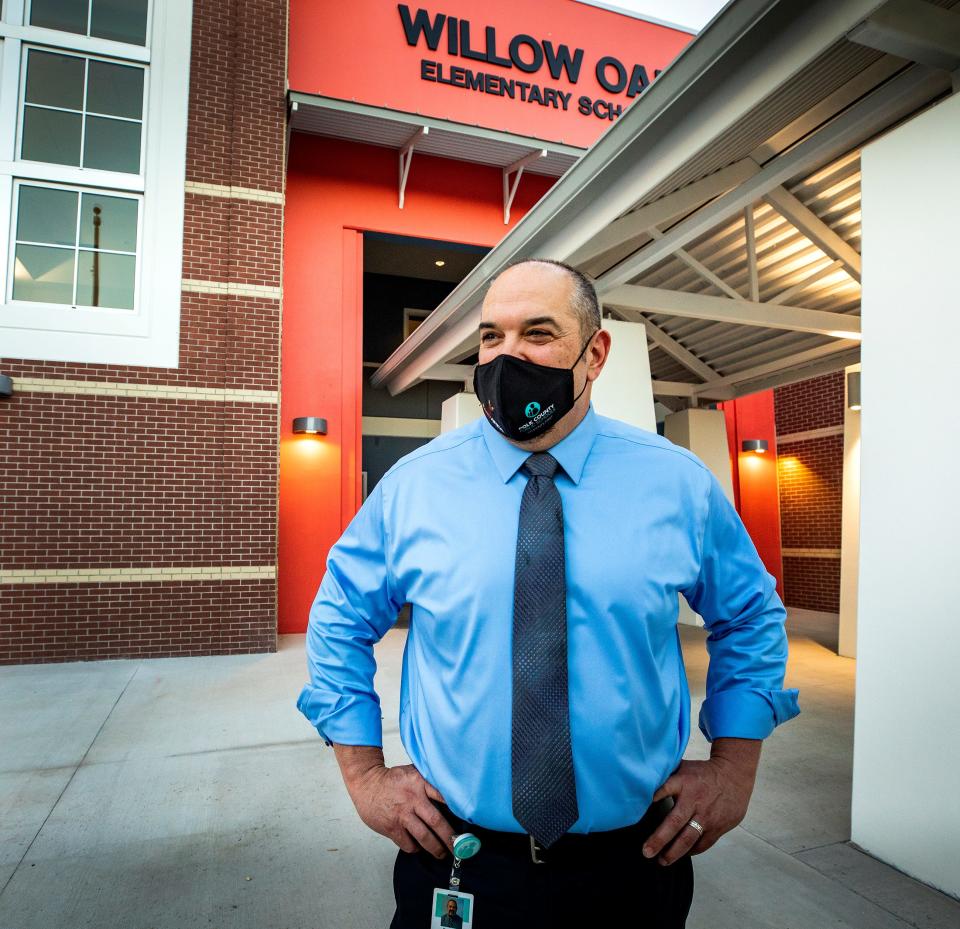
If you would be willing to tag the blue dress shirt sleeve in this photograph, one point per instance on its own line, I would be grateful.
(744, 616)
(354, 607)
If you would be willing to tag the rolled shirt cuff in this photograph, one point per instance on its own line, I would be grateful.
(747, 713)
(347, 720)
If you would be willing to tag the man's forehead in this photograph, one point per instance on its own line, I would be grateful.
(530, 291)
(531, 280)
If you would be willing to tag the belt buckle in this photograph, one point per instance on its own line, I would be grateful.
(535, 851)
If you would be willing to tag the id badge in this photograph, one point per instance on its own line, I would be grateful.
(452, 909)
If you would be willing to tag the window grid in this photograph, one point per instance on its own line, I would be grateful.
(28, 19)
(76, 248)
(66, 183)
(83, 113)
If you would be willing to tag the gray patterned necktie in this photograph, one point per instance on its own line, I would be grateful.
(544, 792)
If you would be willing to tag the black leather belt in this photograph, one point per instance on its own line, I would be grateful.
(568, 847)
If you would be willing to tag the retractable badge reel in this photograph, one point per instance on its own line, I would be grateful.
(452, 908)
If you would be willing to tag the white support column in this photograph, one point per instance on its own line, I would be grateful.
(459, 410)
(906, 753)
(703, 432)
(850, 528)
(624, 390)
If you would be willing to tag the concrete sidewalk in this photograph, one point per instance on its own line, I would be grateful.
(189, 792)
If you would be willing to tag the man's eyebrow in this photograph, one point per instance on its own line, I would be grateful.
(533, 321)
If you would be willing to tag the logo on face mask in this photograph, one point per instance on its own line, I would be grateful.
(532, 409)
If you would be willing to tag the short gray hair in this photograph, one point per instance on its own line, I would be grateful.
(584, 302)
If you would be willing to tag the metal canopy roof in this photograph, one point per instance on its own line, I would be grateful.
(343, 119)
(722, 210)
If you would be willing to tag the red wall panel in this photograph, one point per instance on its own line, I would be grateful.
(755, 476)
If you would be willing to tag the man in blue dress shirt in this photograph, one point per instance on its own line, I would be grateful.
(643, 521)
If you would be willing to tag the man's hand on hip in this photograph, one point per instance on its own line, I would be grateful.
(394, 801)
(714, 793)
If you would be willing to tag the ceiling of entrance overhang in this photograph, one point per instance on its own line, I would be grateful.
(722, 211)
(403, 256)
(341, 119)
(790, 269)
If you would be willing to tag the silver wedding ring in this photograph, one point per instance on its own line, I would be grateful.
(696, 826)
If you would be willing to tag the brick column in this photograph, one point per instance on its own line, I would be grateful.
(810, 441)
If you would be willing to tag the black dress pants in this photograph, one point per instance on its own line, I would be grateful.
(586, 880)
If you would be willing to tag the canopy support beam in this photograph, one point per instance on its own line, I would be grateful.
(406, 156)
(737, 312)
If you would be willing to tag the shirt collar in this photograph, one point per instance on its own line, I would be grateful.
(571, 452)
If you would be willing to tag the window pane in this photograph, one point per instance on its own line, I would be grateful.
(68, 15)
(112, 145)
(46, 214)
(121, 20)
(55, 80)
(51, 135)
(106, 280)
(118, 222)
(115, 90)
(43, 275)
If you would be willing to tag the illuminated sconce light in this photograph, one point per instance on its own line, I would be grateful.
(439, 262)
(309, 425)
(755, 445)
(853, 390)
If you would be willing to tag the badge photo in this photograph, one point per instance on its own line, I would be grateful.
(451, 909)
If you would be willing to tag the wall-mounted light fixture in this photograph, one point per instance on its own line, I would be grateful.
(755, 445)
(439, 262)
(309, 425)
(853, 390)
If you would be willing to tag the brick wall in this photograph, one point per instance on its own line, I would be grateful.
(809, 418)
(142, 521)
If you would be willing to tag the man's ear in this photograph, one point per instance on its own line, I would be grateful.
(602, 341)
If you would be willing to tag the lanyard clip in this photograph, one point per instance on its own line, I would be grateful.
(454, 883)
(465, 845)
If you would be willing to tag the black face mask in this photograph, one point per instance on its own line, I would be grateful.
(522, 399)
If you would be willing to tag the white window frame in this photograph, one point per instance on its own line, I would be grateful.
(149, 334)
